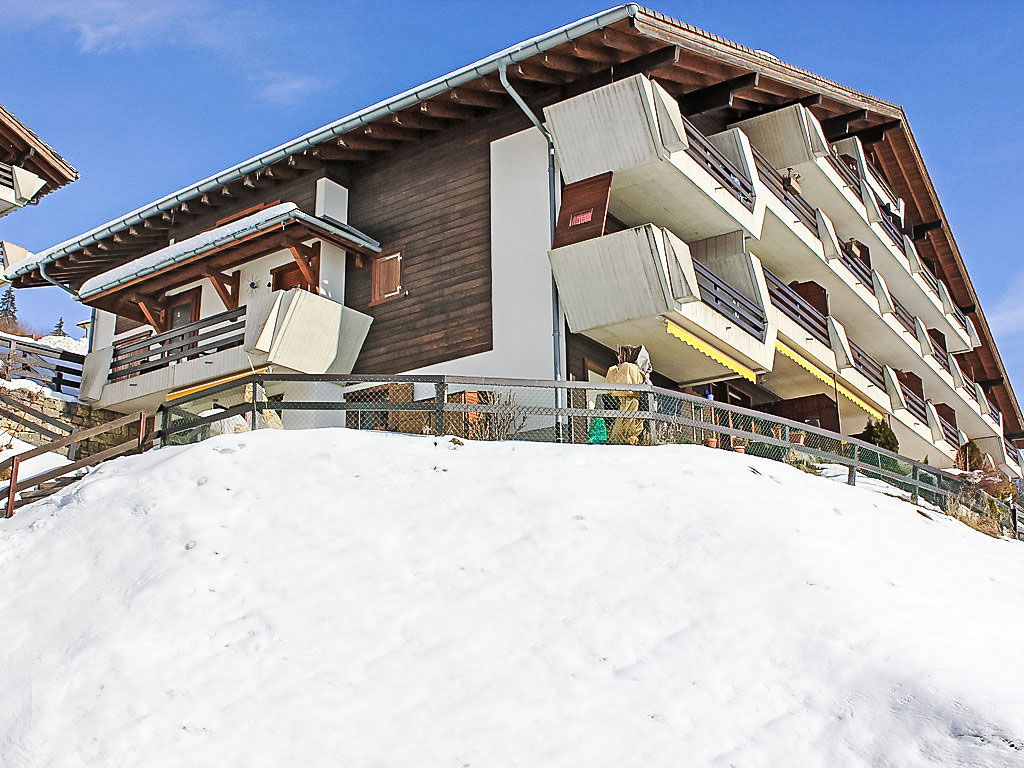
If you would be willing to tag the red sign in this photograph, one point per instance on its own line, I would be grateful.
(583, 217)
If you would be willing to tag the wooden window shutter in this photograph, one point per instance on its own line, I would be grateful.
(386, 280)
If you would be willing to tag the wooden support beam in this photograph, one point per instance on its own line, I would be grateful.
(332, 153)
(155, 314)
(596, 52)
(211, 201)
(969, 309)
(417, 121)
(872, 134)
(920, 231)
(622, 41)
(663, 57)
(717, 96)
(838, 127)
(472, 98)
(364, 143)
(390, 132)
(537, 74)
(568, 64)
(814, 100)
(303, 255)
(226, 286)
(987, 384)
(448, 110)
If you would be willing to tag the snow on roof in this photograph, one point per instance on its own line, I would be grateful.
(185, 249)
(225, 604)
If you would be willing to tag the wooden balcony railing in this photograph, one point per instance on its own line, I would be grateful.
(792, 199)
(56, 369)
(848, 174)
(1011, 451)
(915, 403)
(880, 178)
(996, 413)
(950, 432)
(867, 365)
(939, 354)
(187, 342)
(891, 229)
(796, 307)
(856, 265)
(903, 315)
(719, 166)
(6, 176)
(729, 302)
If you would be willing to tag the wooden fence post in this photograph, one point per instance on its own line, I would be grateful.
(143, 423)
(12, 489)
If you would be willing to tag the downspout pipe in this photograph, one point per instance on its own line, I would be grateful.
(47, 278)
(556, 330)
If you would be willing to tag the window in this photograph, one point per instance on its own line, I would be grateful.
(386, 277)
(289, 276)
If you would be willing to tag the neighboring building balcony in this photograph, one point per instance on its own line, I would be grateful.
(860, 206)
(17, 187)
(643, 286)
(294, 331)
(664, 170)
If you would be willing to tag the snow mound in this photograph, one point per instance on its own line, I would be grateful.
(346, 598)
(80, 346)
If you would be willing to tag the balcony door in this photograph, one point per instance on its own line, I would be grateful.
(182, 310)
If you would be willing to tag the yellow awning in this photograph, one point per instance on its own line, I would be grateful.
(827, 378)
(216, 382)
(707, 349)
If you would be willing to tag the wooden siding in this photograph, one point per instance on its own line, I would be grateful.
(431, 200)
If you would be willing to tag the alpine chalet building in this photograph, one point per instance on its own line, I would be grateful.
(770, 236)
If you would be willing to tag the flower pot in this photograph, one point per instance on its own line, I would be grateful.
(711, 442)
(740, 448)
(800, 438)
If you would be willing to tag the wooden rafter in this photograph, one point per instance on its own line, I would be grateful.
(303, 256)
(717, 96)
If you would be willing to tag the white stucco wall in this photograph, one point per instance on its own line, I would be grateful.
(520, 273)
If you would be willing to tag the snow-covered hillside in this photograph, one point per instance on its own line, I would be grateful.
(362, 599)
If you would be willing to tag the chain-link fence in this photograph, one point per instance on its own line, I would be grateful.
(564, 411)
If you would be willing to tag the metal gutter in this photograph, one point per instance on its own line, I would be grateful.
(481, 68)
(274, 222)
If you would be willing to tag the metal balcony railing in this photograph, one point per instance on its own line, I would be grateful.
(867, 365)
(721, 168)
(796, 307)
(729, 302)
(889, 225)
(6, 176)
(203, 337)
(792, 199)
(878, 176)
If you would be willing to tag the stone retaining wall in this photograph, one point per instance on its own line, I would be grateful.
(79, 416)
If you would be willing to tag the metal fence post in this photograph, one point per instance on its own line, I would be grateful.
(259, 395)
(440, 397)
(915, 495)
(852, 479)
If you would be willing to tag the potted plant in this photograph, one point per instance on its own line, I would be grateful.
(798, 436)
(739, 444)
(711, 441)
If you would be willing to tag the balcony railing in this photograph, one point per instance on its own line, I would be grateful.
(793, 200)
(950, 433)
(796, 307)
(930, 278)
(856, 265)
(996, 413)
(721, 168)
(6, 176)
(903, 315)
(880, 178)
(892, 230)
(960, 316)
(939, 354)
(867, 365)
(187, 342)
(848, 174)
(1011, 451)
(915, 403)
(729, 302)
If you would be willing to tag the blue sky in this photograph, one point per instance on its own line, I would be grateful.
(144, 98)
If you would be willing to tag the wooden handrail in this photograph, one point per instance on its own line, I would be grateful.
(231, 314)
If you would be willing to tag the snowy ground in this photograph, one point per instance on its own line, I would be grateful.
(363, 599)
(11, 446)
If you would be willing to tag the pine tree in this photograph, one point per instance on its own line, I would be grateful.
(58, 329)
(8, 306)
(880, 433)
